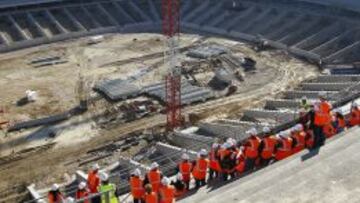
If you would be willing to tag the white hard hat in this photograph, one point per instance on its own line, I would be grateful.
(203, 152)
(104, 176)
(304, 97)
(299, 127)
(252, 131)
(215, 145)
(283, 134)
(96, 167)
(70, 200)
(226, 145)
(165, 181)
(266, 129)
(154, 165)
(82, 185)
(137, 172)
(179, 176)
(322, 94)
(354, 104)
(55, 187)
(185, 156)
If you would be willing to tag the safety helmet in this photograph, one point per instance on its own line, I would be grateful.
(55, 187)
(70, 200)
(215, 145)
(299, 127)
(354, 104)
(266, 129)
(104, 176)
(179, 176)
(137, 172)
(252, 131)
(154, 165)
(95, 167)
(165, 181)
(322, 94)
(185, 156)
(203, 152)
(82, 186)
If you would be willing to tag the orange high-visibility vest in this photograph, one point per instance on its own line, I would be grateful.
(300, 141)
(214, 163)
(151, 197)
(200, 169)
(269, 146)
(285, 150)
(93, 181)
(185, 170)
(354, 117)
(322, 115)
(167, 194)
(240, 164)
(252, 150)
(59, 198)
(136, 187)
(329, 130)
(82, 194)
(341, 123)
(154, 177)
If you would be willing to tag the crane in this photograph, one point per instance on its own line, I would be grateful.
(171, 30)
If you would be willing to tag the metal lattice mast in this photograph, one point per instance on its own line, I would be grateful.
(171, 25)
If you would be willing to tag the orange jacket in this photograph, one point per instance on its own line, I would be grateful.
(154, 177)
(214, 162)
(269, 146)
(341, 123)
(354, 117)
(240, 163)
(285, 150)
(82, 194)
(93, 181)
(252, 148)
(329, 130)
(59, 198)
(300, 141)
(151, 198)
(167, 194)
(322, 115)
(185, 170)
(200, 169)
(136, 187)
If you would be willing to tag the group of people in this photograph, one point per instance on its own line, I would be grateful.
(97, 188)
(226, 159)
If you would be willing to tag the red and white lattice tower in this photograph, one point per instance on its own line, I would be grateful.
(171, 26)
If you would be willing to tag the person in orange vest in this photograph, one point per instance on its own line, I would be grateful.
(299, 136)
(214, 165)
(185, 168)
(284, 146)
(136, 186)
(251, 149)
(329, 129)
(150, 196)
(154, 177)
(321, 119)
(267, 147)
(240, 161)
(82, 193)
(354, 119)
(228, 159)
(179, 184)
(93, 182)
(167, 191)
(340, 123)
(55, 195)
(200, 167)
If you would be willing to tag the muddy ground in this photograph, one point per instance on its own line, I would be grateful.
(56, 87)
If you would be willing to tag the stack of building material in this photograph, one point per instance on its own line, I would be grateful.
(118, 89)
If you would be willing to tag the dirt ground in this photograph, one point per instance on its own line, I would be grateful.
(56, 87)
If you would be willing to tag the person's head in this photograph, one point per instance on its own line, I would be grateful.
(55, 188)
(104, 177)
(354, 105)
(95, 168)
(148, 188)
(165, 181)
(322, 96)
(303, 99)
(203, 153)
(252, 132)
(179, 177)
(154, 166)
(136, 173)
(185, 157)
(82, 186)
(266, 130)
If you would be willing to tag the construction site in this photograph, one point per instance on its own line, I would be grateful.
(103, 81)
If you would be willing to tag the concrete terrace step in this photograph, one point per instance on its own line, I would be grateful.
(296, 94)
(277, 116)
(336, 78)
(329, 170)
(190, 140)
